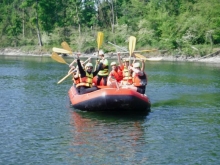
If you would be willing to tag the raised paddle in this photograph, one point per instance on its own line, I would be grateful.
(60, 50)
(57, 58)
(132, 43)
(100, 37)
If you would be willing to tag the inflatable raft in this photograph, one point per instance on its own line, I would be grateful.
(110, 99)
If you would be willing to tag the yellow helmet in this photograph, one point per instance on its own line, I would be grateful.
(136, 65)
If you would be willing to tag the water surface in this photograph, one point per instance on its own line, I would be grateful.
(39, 127)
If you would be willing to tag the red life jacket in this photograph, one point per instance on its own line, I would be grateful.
(118, 74)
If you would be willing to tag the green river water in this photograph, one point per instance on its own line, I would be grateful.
(38, 127)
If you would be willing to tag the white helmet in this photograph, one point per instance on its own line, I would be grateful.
(136, 65)
(88, 64)
(113, 63)
(126, 60)
(101, 52)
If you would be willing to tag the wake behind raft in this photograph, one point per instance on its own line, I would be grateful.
(110, 99)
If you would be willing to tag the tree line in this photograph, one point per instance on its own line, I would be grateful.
(178, 26)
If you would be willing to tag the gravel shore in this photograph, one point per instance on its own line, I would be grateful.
(209, 59)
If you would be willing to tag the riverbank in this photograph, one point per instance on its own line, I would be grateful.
(212, 58)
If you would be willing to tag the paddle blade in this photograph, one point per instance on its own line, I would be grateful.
(148, 59)
(100, 37)
(66, 46)
(132, 43)
(60, 50)
(140, 56)
(57, 58)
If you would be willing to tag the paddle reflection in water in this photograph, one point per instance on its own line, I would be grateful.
(108, 138)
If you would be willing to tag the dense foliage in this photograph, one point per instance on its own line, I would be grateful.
(183, 26)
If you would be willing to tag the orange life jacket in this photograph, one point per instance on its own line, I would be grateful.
(140, 80)
(76, 80)
(85, 81)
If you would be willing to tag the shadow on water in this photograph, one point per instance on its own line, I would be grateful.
(110, 116)
(190, 101)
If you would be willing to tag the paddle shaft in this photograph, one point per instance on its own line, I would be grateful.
(118, 47)
(135, 51)
(71, 72)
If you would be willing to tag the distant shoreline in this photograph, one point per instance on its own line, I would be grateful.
(16, 52)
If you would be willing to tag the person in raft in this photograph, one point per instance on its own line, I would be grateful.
(103, 73)
(127, 75)
(75, 71)
(139, 78)
(116, 74)
(85, 77)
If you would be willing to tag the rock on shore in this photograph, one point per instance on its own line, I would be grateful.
(19, 52)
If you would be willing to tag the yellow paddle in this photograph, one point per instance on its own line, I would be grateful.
(148, 59)
(100, 37)
(66, 46)
(57, 58)
(60, 50)
(64, 77)
(132, 43)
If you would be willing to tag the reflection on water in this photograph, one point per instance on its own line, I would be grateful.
(108, 138)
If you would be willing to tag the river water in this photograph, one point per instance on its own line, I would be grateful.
(37, 125)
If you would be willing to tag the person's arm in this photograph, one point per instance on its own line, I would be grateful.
(81, 70)
(97, 69)
(109, 76)
(119, 59)
(134, 59)
(143, 65)
(77, 74)
(96, 64)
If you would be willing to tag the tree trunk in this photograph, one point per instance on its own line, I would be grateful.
(112, 22)
(40, 43)
(78, 19)
(23, 25)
